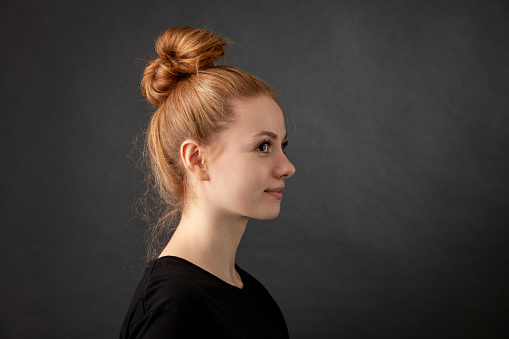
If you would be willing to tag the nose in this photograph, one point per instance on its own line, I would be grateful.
(284, 168)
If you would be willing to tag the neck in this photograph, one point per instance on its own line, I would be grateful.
(208, 240)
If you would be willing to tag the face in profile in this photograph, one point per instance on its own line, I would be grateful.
(247, 177)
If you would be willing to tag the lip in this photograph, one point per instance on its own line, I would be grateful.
(276, 192)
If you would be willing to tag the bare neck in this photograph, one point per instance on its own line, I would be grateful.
(210, 241)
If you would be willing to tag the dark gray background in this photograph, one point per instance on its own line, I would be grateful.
(395, 224)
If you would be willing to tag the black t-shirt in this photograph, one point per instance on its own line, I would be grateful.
(177, 299)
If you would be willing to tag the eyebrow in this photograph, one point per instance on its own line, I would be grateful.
(270, 134)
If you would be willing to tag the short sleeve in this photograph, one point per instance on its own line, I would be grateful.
(164, 324)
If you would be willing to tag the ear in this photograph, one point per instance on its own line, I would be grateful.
(192, 153)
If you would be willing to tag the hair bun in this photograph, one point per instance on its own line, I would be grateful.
(183, 51)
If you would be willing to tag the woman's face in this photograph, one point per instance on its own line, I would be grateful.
(247, 177)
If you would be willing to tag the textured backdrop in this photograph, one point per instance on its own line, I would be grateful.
(396, 224)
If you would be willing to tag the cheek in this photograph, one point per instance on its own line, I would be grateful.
(245, 178)
(241, 180)
(238, 187)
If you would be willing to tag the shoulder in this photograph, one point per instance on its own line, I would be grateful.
(168, 296)
(173, 284)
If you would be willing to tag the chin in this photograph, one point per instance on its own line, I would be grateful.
(267, 215)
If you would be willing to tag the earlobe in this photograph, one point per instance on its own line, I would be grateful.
(191, 152)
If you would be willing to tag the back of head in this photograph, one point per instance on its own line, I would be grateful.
(192, 98)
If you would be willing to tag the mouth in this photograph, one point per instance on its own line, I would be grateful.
(276, 192)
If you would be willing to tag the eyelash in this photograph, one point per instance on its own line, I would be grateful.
(269, 143)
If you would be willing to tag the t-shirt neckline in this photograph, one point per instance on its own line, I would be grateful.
(239, 271)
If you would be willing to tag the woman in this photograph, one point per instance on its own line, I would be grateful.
(216, 150)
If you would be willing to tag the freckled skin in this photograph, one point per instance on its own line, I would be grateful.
(242, 172)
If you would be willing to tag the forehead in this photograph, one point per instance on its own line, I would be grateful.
(257, 114)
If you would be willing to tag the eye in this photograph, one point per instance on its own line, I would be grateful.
(284, 145)
(264, 146)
